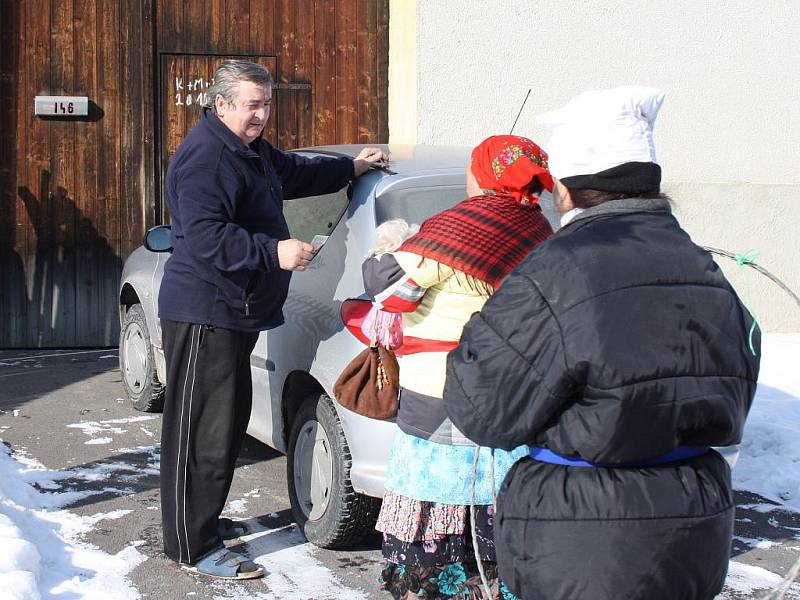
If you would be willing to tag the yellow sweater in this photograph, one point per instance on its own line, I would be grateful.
(450, 300)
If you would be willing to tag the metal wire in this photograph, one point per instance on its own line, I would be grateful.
(779, 592)
(520, 111)
(486, 589)
(758, 268)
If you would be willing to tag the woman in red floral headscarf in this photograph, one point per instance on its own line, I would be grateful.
(437, 279)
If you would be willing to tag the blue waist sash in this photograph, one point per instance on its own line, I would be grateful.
(679, 453)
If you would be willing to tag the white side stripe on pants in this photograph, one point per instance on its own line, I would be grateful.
(190, 366)
(188, 436)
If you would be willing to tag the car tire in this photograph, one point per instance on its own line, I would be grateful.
(324, 505)
(137, 364)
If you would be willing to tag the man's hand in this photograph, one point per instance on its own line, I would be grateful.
(294, 255)
(367, 157)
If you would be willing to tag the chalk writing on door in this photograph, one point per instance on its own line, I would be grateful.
(191, 91)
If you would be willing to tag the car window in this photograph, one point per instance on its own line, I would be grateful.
(418, 203)
(315, 215)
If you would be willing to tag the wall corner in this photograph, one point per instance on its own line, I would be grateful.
(402, 71)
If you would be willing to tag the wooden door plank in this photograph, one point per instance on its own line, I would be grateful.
(57, 323)
(382, 75)
(324, 85)
(13, 293)
(171, 33)
(366, 57)
(197, 25)
(137, 210)
(218, 23)
(262, 28)
(85, 161)
(304, 72)
(33, 167)
(346, 84)
(237, 28)
(271, 130)
(285, 23)
(171, 97)
(108, 225)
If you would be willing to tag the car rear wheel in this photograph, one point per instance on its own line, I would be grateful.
(325, 506)
(137, 365)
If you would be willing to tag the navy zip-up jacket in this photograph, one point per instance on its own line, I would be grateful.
(226, 203)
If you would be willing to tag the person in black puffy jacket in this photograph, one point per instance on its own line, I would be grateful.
(620, 354)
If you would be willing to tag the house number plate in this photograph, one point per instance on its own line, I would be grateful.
(66, 106)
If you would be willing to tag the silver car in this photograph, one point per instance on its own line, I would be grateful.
(336, 458)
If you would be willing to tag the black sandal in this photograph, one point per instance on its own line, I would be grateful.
(228, 529)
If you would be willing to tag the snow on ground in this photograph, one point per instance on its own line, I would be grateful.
(235, 507)
(769, 463)
(292, 571)
(747, 580)
(43, 554)
(92, 428)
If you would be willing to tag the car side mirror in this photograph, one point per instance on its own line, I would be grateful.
(158, 239)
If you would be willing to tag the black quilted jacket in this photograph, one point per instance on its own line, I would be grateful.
(617, 340)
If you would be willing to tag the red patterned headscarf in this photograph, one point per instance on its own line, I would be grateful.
(506, 164)
(487, 236)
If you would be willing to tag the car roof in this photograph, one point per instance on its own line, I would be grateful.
(407, 158)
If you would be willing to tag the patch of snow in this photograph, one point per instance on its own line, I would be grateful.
(93, 428)
(44, 555)
(762, 507)
(292, 571)
(769, 463)
(236, 507)
(750, 580)
(37, 475)
(756, 542)
(99, 441)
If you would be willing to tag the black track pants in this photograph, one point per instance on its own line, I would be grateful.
(206, 411)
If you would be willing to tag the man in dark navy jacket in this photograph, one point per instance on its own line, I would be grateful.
(227, 279)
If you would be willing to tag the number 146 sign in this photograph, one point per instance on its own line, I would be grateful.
(68, 106)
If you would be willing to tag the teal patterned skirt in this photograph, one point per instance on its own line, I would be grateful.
(435, 472)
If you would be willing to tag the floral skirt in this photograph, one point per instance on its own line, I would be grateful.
(429, 553)
(456, 580)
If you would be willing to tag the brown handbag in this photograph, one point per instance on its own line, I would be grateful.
(369, 385)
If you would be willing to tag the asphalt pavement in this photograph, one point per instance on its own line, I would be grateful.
(65, 409)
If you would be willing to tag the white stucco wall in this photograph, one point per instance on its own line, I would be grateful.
(728, 135)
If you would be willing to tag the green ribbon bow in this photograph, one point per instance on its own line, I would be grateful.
(742, 260)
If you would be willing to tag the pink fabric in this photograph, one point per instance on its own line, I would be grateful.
(411, 520)
(385, 327)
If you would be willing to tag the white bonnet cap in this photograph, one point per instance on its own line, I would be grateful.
(602, 129)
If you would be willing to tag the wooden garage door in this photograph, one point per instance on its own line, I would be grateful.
(77, 194)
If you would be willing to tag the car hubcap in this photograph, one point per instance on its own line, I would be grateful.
(135, 366)
(313, 469)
